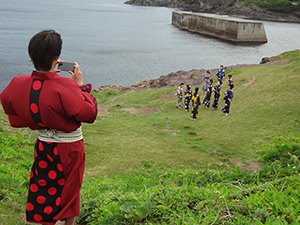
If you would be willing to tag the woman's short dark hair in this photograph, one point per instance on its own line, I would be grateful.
(43, 48)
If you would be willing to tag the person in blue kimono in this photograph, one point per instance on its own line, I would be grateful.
(221, 74)
(228, 99)
(217, 91)
(206, 78)
(188, 96)
(208, 91)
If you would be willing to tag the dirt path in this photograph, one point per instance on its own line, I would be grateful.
(164, 97)
(121, 95)
(142, 111)
(103, 110)
(243, 166)
(250, 82)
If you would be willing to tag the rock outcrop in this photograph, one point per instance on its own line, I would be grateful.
(192, 77)
(224, 7)
(159, 3)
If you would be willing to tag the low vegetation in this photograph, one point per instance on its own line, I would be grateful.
(162, 168)
(281, 6)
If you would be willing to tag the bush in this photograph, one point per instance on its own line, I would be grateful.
(281, 6)
(194, 197)
(282, 151)
(15, 165)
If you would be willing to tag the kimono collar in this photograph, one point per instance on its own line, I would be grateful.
(44, 76)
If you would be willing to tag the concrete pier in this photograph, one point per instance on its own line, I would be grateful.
(224, 27)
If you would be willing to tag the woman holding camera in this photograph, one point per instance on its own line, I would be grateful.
(55, 106)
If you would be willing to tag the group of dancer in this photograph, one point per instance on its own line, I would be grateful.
(208, 89)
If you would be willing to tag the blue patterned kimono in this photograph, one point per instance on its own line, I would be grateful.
(217, 91)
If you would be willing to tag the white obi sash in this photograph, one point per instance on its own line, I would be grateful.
(50, 135)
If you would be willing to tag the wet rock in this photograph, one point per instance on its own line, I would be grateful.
(265, 60)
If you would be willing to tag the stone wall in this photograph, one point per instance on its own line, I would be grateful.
(224, 27)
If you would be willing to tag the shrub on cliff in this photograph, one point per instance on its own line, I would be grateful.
(281, 6)
(189, 2)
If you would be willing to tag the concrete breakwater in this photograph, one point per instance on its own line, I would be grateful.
(224, 27)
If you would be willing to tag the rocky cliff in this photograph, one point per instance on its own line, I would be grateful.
(192, 77)
(224, 7)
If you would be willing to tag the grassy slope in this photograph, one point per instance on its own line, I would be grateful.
(124, 143)
(121, 142)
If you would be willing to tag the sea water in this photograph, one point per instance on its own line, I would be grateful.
(115, 43)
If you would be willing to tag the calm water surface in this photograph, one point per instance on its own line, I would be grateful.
(121, 44)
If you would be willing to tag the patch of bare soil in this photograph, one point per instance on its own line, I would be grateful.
(94, 170)
(252, 165)
(250, 82)
(103, 110)
(142, 111)
(166, 97)
(121, 95)
(174, 131)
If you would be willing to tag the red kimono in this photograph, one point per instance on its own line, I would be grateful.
(48, 101)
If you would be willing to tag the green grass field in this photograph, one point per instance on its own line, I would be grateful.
(128, 151)
(266, 108)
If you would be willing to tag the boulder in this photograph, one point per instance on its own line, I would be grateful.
(265, 60)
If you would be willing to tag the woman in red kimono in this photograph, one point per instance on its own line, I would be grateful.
(55, 106)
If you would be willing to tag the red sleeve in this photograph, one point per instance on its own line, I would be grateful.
(7, 96)
(82, 106)
(86, 89)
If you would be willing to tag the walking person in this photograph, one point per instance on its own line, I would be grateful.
(228, 99)
(195, 103)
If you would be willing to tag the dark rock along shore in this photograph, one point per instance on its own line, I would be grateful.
(223, 7)
(192, 77)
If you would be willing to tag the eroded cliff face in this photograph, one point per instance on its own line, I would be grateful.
(223, 7)
(220, 3)
(161, 3)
